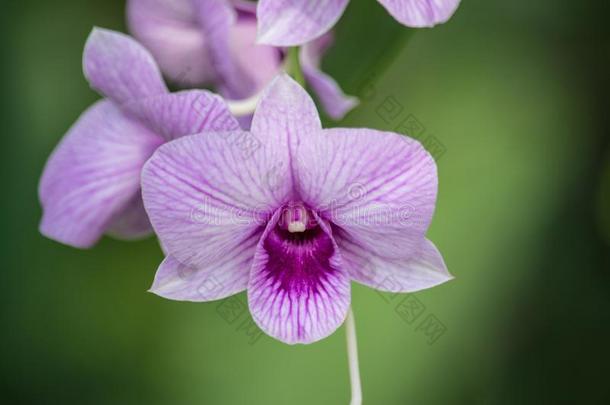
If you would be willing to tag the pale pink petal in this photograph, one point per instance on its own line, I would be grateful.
(285, 113)
(119, 67)
(423, 269)
(217, 20)
(209, 194)
(295, 22)
(298, 290)
(335, 102)
(229, 275)
(379, 187)
(188, 112)
(421, 13)
(93, 174)
(132, 222)
(259, 63)
(170, 30)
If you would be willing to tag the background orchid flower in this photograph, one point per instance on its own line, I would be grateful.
(295, 22)
(91, 181)
(212, 42)
(286, 223)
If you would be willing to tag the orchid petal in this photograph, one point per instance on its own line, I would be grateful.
(259, 64)
(421, 13)
(119, 67)
(209, 194)
(217, 19)
(298, 292)
(173, 115)
(295, 22)
(285, 113)
(424, 269)
(93, 174)
(379, 187)
(171, 31)
(177, 281)
(335, 102)
(131, 223)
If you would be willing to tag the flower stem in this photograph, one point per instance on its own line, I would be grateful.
(293, 65)
(352, 356)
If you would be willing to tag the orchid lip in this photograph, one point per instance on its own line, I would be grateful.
(300, 262)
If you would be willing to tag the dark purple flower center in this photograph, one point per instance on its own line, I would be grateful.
(299, 251)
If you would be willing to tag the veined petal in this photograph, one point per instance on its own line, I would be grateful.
(207, 194)
(298, 290)
(379, 187)
(131, 222)
(93, 174)
(119, 67)
(259, 63)
(335, 102)
(188, 112)
(424, 269)
(171, 31)
(295, 22)
(229, 275)
(421, 13)
(217, 19)
(284, 115)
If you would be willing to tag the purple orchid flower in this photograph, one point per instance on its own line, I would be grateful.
(295, 22)
(295, 220)
(91, 182)
(212, 42)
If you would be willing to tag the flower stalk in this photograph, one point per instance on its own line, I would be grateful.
(352, 356)
(293, 65)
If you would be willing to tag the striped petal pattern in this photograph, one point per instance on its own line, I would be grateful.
(379, 187)
(120, 68)
(207, 194)
(425, 268)
(421, 13)
(295, 22)
(93, 174)
(227, 276)
(298, 290)
(188, 112)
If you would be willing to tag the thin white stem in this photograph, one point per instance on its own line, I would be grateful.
(239, 108)
(352, 356)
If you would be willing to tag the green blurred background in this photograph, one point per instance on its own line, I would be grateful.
(512, 97)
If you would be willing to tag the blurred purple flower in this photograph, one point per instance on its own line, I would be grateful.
(212, 42)
(91, 182)
(295, 22)
(334, 212)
